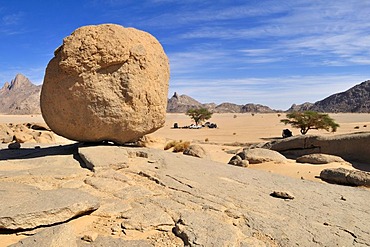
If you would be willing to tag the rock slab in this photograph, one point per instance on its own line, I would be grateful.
(351, 147)
(26, 207)
(106, 83)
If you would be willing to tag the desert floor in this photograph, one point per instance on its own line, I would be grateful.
(236, 131)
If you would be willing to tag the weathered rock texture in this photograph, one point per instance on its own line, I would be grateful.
(26, 133)
(351, 147)
(106, 82)
(346, 176)
(164, 199)
(20, 96)
(25, 207)
(319, 159)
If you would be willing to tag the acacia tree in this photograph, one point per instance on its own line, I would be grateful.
(310, 120)
(199, 115)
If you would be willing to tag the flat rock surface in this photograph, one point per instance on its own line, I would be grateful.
(25, 206)
(166, 199)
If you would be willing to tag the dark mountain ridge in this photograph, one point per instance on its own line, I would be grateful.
(356, 100)
(182, 103)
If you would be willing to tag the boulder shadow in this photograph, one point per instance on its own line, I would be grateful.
(37, 152)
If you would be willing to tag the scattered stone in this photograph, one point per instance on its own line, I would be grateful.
(106, 83)
(25, 207)
(6, 134)
(196, 151)
(90, 236)
(23, 133)
(319, 159)
(14, 145)
(236, 160)
(282, 195)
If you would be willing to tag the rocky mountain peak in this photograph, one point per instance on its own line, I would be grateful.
(20, 96)
(19, 82)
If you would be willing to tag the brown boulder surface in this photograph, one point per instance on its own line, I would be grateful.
(164, 199)
(106, 82)
(351, 147)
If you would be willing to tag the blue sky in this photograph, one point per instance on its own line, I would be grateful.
(269, 52)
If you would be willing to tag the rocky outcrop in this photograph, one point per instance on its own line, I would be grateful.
(355, 99)
(106, 82)
(319, 159)
(161, 199)
(346, 177)
(351, 147)
(26, 133)
(182, 103)
(256, 108)
(20, 96)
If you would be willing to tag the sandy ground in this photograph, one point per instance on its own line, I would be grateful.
(235, 131)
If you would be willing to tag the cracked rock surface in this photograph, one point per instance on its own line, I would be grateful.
(165, 199)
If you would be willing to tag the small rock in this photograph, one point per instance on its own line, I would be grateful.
(14, 145)
(282, 195)
(90, 236)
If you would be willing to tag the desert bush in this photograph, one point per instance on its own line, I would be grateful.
(169, 145)
(206, 140)
(310, 120)
(199, 115)
(178, 146)
(181, 147)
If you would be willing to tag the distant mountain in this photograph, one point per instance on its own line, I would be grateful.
(182, 103)
(302, 107)
(355, 99)
(20, 96)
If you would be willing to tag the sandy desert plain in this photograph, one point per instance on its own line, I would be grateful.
(238, 130)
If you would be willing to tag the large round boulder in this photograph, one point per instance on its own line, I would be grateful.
(106, 83)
